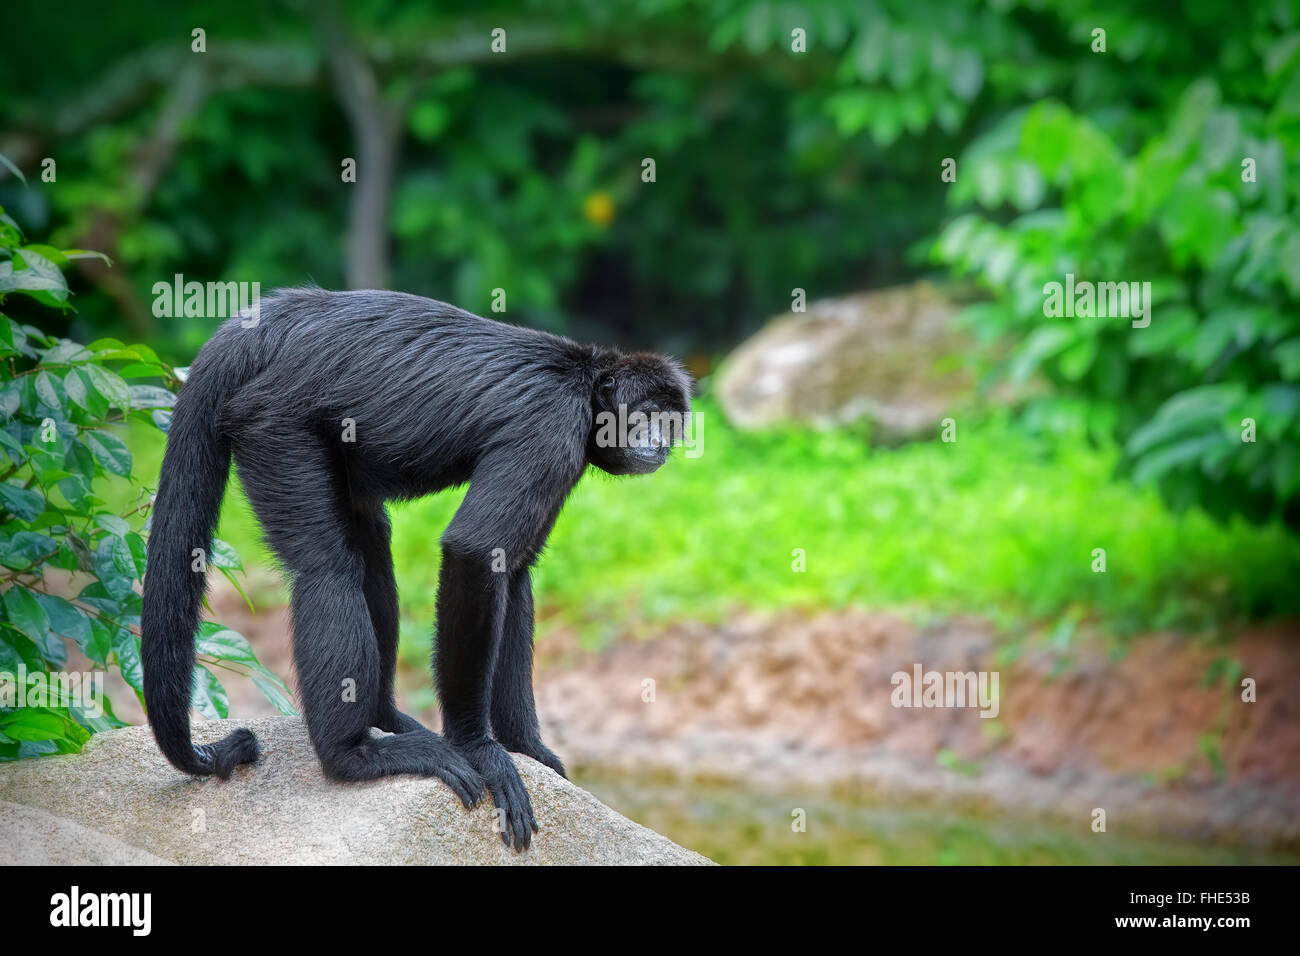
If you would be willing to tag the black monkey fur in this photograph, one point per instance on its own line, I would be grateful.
(435, 397)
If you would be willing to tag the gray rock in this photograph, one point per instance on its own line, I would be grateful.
(890, 356)
(283, 810)
(32, 837)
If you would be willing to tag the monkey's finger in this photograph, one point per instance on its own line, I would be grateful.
(465, 783)
(507, 823)
(522, 821)
(472, 788)
(469, 795)
(515, 835)
(522, 837)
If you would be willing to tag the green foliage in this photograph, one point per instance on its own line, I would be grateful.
(524, 172)
(1200, 200)
(70, 566)
(778, 169)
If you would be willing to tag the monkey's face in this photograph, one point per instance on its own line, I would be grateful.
(640, 406)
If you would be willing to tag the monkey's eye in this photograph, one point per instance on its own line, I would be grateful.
(608, 384)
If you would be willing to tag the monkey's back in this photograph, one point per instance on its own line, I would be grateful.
(420, 387)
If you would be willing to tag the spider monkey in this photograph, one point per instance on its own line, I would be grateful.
(334, 403)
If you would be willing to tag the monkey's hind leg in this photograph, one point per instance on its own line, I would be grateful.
(337, 661)
(374, 535)
(334, 646)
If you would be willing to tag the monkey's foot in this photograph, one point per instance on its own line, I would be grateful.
(514, 809)
(414, 748)
(539, 752)
(455, 771)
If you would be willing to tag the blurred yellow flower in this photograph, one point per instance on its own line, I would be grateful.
(599, 209)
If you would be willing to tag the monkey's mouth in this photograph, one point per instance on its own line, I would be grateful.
(649, 458)
(650, 444)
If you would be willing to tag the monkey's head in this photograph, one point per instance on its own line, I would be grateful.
(640, 404)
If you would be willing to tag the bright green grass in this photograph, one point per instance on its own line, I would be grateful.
(995, 524)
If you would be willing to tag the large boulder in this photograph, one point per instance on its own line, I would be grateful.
(33, 837)
(119, 801)
(889, 356)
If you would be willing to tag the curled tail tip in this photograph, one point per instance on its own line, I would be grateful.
(229, 752)
(222, 757)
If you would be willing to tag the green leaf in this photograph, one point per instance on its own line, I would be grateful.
(76, 388)
(42, 723)
(12, 447)
(115, 566)
(111, 385)
(66, 618)
(112, 523)
(274, 690)
(1281, 402)
(1289, 259)
(80, 461)
(1043, 343)
(26, 613)
(139, 554)
(222, 643)
(110, 451)
(77, 493)
(224, 556)
(7, 163)
(47, 389)
(26, 548)
(80, 387)
(30, 272)
(23, 502)
(140, 370)
(1209, 745)
(1076, 360)
(1178, 453)
(106, 344)
(151, 396)
(100, 643)
(16, 649)
(225, 572)
(966, 74)
(11, 397)
(127, 647)
(1190, 410)
(87, 254)
(207, 696)
(64, 353)
(97, 723)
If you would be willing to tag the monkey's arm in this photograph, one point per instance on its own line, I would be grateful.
(498, 531)
(514, 712)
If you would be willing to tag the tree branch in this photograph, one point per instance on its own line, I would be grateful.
(376, 130)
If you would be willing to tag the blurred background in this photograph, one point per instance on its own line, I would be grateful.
(842, 216)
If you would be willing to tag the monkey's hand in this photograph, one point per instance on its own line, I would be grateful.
(538, 751)
(514, 809)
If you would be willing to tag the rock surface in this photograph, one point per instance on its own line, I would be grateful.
(890, 356)
(33, 837)
(119, 801)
